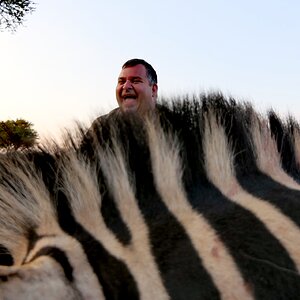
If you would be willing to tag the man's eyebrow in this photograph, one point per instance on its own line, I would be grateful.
(135, 77)
(130, 77)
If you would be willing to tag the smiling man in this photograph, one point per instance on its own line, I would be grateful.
(136, 92)
(136, 89)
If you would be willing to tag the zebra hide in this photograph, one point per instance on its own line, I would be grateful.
(199, 201)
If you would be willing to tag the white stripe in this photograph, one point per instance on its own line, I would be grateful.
(268, 158)
(296, 142)
(216, 259)
(86, 202)
(219, 167)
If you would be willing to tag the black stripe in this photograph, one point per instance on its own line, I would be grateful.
(260, 256)
(263, 262)
(283, 134)
(109, 211)
(265, 188)
(111, 215)
(113, 275)
(33, 238)
(255, 182)
(179, 264)
(6, 258)
(59, 256)
(237, 127)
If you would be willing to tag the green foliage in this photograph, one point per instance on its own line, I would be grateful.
(12, 12)
(16, 135)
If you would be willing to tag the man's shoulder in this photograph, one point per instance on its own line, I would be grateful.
(115, 113)
(102, 120)
(160, 109)
(112, 114)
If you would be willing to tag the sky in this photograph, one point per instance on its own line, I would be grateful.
(62, 64)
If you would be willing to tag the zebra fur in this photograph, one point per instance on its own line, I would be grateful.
(199, 202)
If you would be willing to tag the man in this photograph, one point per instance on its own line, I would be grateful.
(136, 92)
(136, 89)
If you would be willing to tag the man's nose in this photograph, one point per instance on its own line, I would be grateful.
(127, 85)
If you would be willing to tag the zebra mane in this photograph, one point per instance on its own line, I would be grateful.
(106, 183)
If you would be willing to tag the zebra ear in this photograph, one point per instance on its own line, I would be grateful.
(35, 279)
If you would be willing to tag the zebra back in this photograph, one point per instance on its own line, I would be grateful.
(200, 201)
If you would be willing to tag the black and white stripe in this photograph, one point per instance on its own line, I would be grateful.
(200, 202)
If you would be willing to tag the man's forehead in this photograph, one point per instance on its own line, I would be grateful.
(136, 71)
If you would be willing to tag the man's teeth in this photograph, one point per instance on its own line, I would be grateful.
(129, 98)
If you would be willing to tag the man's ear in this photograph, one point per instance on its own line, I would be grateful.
(154, 90)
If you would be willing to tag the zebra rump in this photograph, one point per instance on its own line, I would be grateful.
(201, 201)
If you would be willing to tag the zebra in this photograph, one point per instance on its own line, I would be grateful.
(201, 201)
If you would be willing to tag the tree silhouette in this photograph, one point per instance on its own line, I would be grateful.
(16, 135)
(12, 13)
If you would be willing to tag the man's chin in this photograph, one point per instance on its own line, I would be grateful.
(129, 108)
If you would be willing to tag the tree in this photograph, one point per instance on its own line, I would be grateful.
(17, 134)
(12, 12)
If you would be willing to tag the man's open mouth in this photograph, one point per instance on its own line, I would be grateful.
(129, 97)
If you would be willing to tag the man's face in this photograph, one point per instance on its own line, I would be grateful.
(134, 92)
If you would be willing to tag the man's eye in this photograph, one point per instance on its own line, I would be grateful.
(136, 80)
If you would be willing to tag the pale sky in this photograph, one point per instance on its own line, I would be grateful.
(63, 64)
